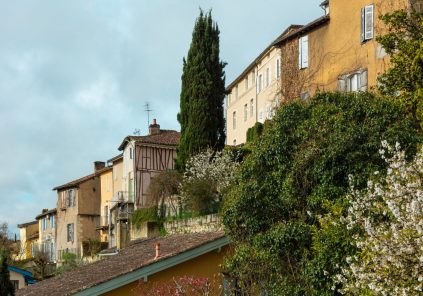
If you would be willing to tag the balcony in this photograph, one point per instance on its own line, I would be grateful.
(124, 196)
(125, 211)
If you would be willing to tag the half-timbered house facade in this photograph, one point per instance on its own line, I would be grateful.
(143, 158)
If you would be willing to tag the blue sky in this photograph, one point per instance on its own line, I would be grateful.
(75, 76)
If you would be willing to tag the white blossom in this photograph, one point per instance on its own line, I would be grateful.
(389, 214)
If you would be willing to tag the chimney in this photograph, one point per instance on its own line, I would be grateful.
(154, 129)
(157, 251)
(44, 210)
(98, 165)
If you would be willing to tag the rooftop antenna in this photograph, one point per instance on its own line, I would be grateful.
(148, 110)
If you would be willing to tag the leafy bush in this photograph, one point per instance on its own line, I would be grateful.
(143, 215)
(206, 178)
(297, 173)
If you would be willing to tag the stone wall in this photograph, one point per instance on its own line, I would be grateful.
(198, 224)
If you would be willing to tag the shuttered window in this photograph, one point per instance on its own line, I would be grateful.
(367, 23)
(303, 52)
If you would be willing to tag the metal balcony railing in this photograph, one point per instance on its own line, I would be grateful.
(124, 196)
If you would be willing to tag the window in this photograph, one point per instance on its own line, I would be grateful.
(253, 77)
(251, 107)
(267, 77)
(278, 68)
(229, 99)
(107, 184)
(44, 223)
(260, 83)
(303, 52)
(130, 153)
(234, 142)
(70, 200)
(367, 20)
(246, 83)
(245, 112)
(236, 91)
(115, 172)
(15, 284)
(234, 120)
(52, 222)
(70, 232)
(352, 82)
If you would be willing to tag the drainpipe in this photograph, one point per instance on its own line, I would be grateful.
(256, 70)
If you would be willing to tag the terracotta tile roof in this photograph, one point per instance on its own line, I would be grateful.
(304, 29)
(45, 213)
(165, 137)
(76, 182)
(27, 224)
(117, 157)
(138, 255)
(260, 56)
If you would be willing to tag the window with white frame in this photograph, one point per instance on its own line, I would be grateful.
(52, 223)
(367, 23)
(234, 120)
(70, 232)
(303, 52)
(260, 83)
(245, 112)
(44, 223)
(107, 183)
(353, 82)
(251, 107)
(278, 68)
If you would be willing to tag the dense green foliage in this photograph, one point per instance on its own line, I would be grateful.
(254, 132)
(6, 286)
(143, 215)
(404, 44)
(202, 94)
(279, 208)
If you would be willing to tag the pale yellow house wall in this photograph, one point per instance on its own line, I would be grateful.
(263, 100)
(106, 180)
(336, 49)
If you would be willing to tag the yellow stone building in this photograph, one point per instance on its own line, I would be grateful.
(336, 52)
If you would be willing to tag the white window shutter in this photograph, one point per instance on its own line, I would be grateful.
(369, 12)
(363, 80)
(363, 25)
(300, 43)
(304, 51)
(342, 84)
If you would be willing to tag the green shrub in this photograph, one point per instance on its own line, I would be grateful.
(297, 172)
(145, 215)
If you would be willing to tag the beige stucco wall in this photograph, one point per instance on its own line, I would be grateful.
(14, 276)
(263, 100)
(85, 216)
(49, 234)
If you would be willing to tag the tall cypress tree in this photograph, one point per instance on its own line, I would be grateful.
(203, 92)
(6, 286)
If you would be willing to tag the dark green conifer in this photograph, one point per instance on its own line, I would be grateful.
(6, 286)
(203, 92)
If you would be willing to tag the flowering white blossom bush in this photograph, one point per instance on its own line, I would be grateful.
(214, 166)
(206, 176)
(388, 218)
